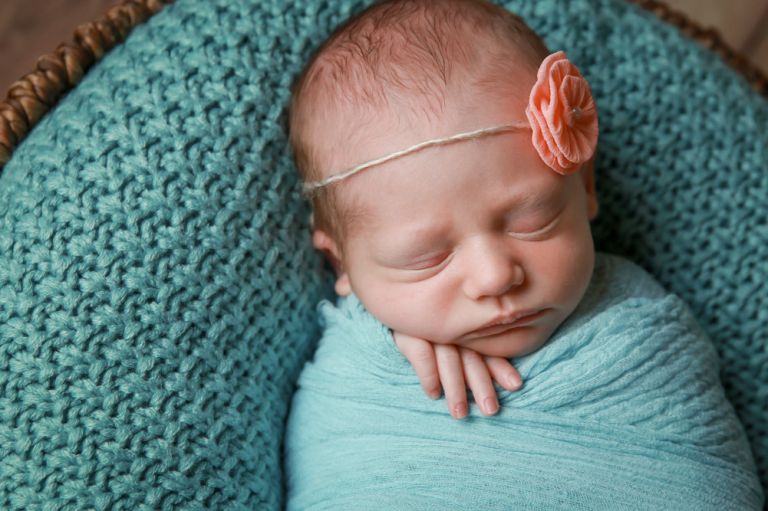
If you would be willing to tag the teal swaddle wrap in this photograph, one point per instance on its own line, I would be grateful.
(159, 284)
(622, 409)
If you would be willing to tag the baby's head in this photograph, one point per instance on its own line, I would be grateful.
(447, 239)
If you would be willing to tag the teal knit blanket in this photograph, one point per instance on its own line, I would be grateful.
(622, 409)
(157, 280)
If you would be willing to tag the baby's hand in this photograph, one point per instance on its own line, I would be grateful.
(450, 364)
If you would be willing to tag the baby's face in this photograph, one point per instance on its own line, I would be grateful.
(460, 237)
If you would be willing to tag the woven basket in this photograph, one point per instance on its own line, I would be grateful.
(30, 97)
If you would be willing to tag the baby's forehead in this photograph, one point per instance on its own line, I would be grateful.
(421, 195)
(384, 77)
(351, 136)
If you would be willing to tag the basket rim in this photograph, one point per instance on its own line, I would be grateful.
(29, 98)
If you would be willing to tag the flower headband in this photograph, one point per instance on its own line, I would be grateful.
(561, 114)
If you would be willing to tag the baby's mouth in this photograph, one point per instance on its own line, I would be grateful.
(502, 325)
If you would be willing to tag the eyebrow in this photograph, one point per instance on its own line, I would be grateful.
(419, 240)
(526, 200)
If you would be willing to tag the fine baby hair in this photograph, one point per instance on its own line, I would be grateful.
(160, 292)
(561, 114)
(361, 73)
(473, 56)
(474, 248)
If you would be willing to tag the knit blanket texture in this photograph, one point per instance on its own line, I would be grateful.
(157, 280)
(622, 409)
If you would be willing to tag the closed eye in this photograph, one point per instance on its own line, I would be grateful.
(429, 264)
(539, 233)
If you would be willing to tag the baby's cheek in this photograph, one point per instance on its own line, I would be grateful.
(419, 309)
(573, 263)
(390, 303)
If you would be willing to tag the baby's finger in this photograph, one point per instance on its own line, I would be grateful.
(479, 380)
(504, 373)
(421, 355)
(452, 378)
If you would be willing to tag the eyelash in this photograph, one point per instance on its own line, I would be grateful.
(523, 236)
(534, 235)
(427, 265)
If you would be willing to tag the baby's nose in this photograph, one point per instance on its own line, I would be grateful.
(493, 271)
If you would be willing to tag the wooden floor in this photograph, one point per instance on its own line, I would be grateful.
(30, 28)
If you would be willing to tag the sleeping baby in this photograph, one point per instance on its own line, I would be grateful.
(448, 155)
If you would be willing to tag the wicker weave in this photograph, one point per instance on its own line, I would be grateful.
(711, 39)
(158, 290)
(30, 97)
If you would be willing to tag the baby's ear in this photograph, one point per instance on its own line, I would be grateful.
(325, 244)
(588, 178)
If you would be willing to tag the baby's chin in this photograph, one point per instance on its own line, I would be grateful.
(516, 342)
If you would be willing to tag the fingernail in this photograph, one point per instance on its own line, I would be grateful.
(514, 382)
(490, 405)
(434, 394)
(459, 410)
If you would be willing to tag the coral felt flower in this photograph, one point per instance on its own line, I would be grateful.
(563, 115)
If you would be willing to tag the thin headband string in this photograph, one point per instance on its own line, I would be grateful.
(314, 185)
